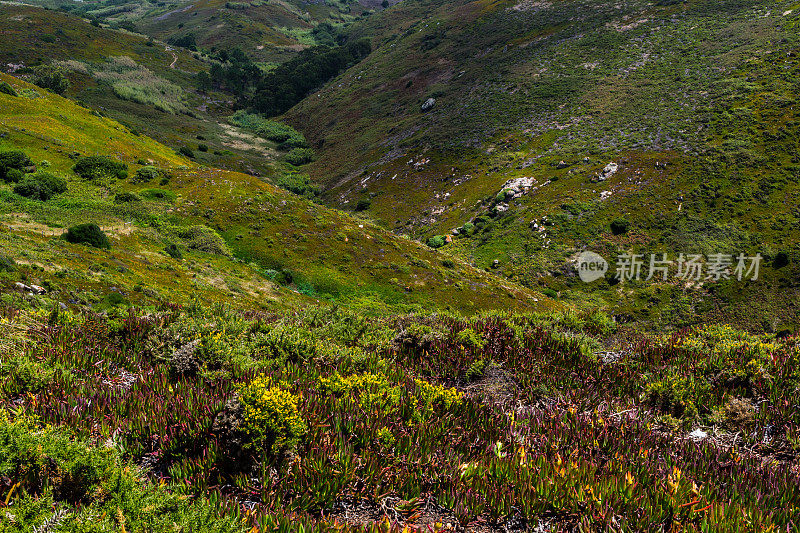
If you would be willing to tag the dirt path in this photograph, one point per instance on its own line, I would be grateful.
(174, 56)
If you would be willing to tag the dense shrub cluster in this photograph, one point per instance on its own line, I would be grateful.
(300, 156)
(286, 136)
(200, 238)
(285, 86)
(5, 88)
(272, 420)
(63, 484)
(274, 92)
(89, 234)
(51, 78)
(149, 173)
(13, 164)
(40, 186)
(126, 198)
(298, 183)
(99, 168)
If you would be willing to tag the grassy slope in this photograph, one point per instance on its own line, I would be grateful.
(270, 32)
(706, 87)
(33, 36)
(329, 253)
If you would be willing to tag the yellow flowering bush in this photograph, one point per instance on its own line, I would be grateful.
(430, 394)
(377, 393)
(272, 419)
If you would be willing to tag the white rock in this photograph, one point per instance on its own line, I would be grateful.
(698, 434)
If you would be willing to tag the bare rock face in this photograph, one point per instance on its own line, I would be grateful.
(609, 170)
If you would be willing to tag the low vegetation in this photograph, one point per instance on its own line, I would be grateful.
(503, 417)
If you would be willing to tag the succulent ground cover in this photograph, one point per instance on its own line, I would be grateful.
(334, 420)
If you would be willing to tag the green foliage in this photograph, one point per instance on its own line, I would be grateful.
(82, 488)
(363, 205)
(22, 375)
(14, 160)
(7, 263)
(272, 419)
(149, 173)
(550, 293)
(51, 78)
(679, 396)
(158, 194)
(99, 168)
(437, 241)
(283, 134)
(173, 251)
(200, 238)
(470, 339)
(126, 198)
(298, 183)
(14, 175)
(5, 88)
(300, 156)
(282, 88)
(41, 186)
(477, 370)
(186, 151)
(89, 234)
(620, 226)
(136, 83)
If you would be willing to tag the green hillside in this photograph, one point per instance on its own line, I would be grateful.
(424, 266)
(268, 31)
(243, 238)
(695, 102)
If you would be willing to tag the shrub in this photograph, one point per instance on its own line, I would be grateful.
(13, 160)
(477, 370)
(21, 375)
(89, 234)
(469, 339)
(550, 293)
(126, 198)
(620, 226)
(14, 175)
(157, 194)
(272, 420)
(186, 152)
(300, 156)
(7, 263)
(298, 183)
(363, 205)
(52, 470)
(5, 88)
(202, 147)
(201, 238)
(173, 251)
(148, 173)
(41, 186)
(50, 78)
(437, 241)
(98, 167)
(781, 260)
(285, 135)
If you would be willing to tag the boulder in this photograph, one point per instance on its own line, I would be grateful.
(429, 103)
